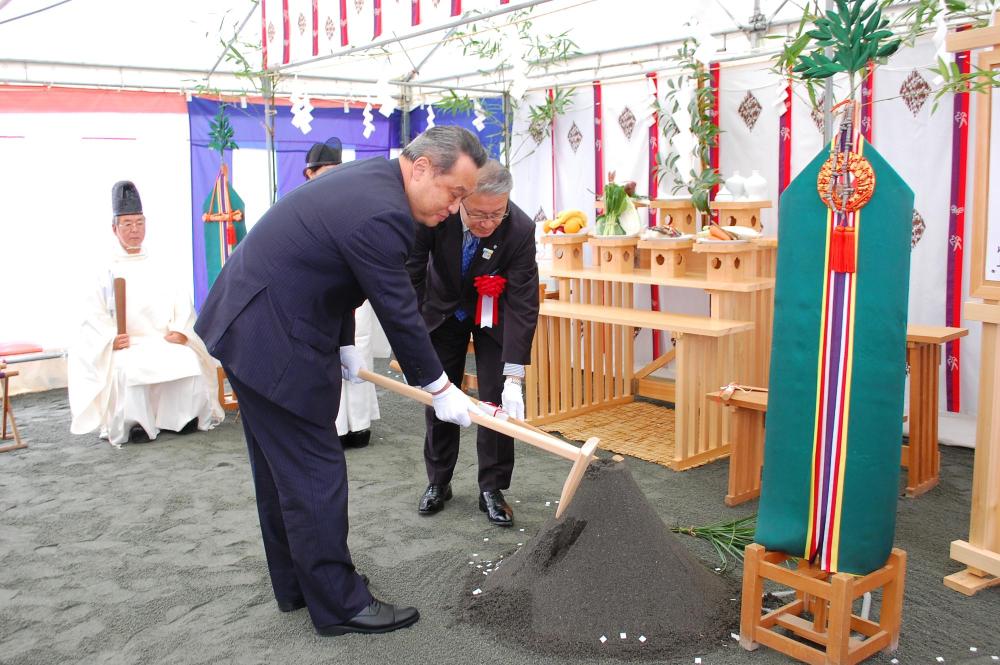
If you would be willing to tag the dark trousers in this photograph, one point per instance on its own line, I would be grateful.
(496, 451)
(300, 478)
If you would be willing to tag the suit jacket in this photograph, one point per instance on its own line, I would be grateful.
(283, 303)
(435, 267)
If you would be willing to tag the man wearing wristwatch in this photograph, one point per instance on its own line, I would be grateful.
(475, 275)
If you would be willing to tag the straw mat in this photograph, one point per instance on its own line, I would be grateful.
(638, 429)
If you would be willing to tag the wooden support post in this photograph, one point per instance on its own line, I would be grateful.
(981, 553)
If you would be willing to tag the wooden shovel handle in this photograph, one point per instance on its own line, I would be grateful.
(541, 440)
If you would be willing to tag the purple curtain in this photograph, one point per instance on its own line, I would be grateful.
(291, 147)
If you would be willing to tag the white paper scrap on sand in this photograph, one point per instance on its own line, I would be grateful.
(973, 649)
(548, 503)
(622, 636)
(642, 638)
(894, 661)
(603, 639)
(477, 592)
(734, 636)
(939, 659)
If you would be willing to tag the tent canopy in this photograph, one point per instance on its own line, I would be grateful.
(175, 45)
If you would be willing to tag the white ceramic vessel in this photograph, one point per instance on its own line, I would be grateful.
(755, 187)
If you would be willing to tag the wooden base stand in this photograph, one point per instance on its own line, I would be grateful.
(227, 398)
(832, 634)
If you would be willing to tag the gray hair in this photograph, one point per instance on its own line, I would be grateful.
(443, 145)
(494, 179)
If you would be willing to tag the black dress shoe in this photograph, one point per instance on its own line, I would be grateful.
(358, 439)
(497, 510)
(299, 603)
(433, 499)
(378, 617)
(138, 435)
(190, 428)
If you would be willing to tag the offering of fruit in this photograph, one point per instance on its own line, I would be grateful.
(568, 221)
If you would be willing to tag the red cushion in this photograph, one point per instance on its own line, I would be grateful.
(17, 348)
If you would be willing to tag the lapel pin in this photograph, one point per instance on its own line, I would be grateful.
(487, 253)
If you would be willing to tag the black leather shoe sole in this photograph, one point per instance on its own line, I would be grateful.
(138, 435)
(344, 629)
(435, 508)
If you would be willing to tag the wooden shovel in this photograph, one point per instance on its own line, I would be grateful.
(581, 457)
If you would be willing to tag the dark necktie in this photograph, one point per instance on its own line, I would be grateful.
(469, 245)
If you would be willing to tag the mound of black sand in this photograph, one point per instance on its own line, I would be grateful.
(608, 566)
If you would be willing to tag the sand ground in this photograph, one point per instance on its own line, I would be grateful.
(152, 553)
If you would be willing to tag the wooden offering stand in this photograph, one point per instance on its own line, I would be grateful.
(981, 552)
(615, 254)
(567, 250)
(740, 213)
(826, 638)
(582, 357)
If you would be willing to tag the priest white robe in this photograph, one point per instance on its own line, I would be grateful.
(358, 402)
(153, 383)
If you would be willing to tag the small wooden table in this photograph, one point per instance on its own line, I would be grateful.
(746, 455)
(922, 458)
(8, 415)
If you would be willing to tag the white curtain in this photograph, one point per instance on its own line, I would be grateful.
(750, 120)
(57, 213)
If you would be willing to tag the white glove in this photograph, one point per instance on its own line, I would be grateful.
(452, 405)
(351, 363)
(512, 399)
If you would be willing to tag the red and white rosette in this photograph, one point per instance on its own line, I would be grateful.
(489, 288)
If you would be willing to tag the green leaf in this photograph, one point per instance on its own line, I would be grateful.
(868, 12)
(889, 49)
(873, 21)
(881, 34)
(856, 10)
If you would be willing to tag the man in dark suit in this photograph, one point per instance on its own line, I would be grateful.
(279, 317)
(486, 248)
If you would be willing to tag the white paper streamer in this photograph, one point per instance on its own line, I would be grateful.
(369, 126)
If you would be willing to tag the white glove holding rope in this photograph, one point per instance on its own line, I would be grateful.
(450, 403)
(512, 399)
(350, 363)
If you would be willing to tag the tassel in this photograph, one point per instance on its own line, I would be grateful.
(230, 234)
(843, 250)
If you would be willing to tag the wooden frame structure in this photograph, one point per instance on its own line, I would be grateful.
(981, 552)
(582, 356)
(826, 638)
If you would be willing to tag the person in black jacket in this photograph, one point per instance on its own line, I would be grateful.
(280, 319)
(487, 247)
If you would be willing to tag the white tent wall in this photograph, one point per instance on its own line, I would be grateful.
(531, 162)
(58, 172)
(749, 117)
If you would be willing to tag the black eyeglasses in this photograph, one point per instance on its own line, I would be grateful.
(495, 217)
